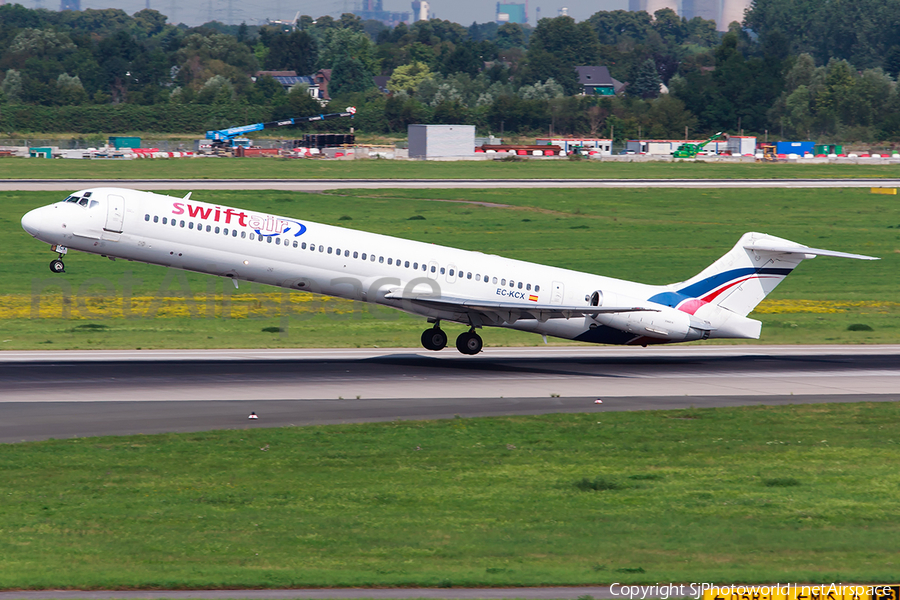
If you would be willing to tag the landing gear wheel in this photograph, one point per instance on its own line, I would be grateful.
(469, 343)
(434, 339)
(57, 266)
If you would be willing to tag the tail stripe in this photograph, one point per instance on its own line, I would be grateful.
(708, 289)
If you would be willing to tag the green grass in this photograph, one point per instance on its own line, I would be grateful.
(760, 494)
(653, 236)
(255, 168)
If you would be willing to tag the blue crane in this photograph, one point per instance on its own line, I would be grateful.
(224, 138)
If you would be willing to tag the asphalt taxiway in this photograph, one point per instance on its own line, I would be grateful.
(82, 393)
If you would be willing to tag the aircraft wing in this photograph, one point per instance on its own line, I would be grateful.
(508, 312)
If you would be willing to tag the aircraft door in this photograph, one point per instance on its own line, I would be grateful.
(115, 213)
(432, 270)
(556, 296)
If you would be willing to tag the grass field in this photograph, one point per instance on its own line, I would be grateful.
(270, 168)
(656, 236)
(762, 494)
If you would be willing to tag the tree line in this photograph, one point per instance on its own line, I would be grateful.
(794, 68)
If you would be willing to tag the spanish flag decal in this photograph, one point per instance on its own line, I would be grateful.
(533, 298)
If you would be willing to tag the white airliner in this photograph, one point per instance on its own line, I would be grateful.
(436, 282)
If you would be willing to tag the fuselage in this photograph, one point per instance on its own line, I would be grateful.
(245, 245)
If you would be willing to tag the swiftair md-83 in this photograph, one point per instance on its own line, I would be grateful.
(437, 282)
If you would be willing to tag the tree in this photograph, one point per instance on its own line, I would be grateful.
(556, 47)
(646, 83)
(407, 78)
(12, 86)
(297, 51)
(349, 75)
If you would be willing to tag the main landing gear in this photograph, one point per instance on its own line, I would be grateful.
(468, 342)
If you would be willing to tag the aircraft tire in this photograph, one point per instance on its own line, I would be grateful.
(57, 266)
(469, 343)
(434, 339)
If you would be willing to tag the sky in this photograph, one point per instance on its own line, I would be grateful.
(195, 12)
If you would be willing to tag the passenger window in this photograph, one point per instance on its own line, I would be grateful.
(252, 236)
(338, 251)
(528, 286)
(512, 283)
(390, 261)
(487, 279)
(442, 270)
(363, 256)
(433, 269)
(520, 285)
(477, 277)
(225, 231)
(451, 273)
(416, 266)
(217, 230)
(406, 264)
(371, 258)
(277, 241)
(347, 254)
(146, 217)
(181, 223)
(381, 259)
(234, 233)
(174, 223)
(303, 246)
(208, 228)
(537, 288)
(243, 234)
(494, 280)
(156, 219)
(296, 243)
(165, 221)
(502, 282)
(191, 225)
(356, 255)
(469, 275)
(322, 249)
(268, 240)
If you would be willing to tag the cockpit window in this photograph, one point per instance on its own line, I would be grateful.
(94, 203)
(71, 199)
(83, 202)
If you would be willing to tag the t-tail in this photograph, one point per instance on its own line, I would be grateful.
(727, 291)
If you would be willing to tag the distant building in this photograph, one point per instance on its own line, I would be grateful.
(512, 13)
(651, 6)
(596, 81)
(420, 10)
(289, 79)
(373, 10)
(732, 10)
(66, 5)
(705, 9)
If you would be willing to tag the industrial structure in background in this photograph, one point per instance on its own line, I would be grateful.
(228, 138)
(723, 12)
(373, 10)
(509, 12)
(421, 10)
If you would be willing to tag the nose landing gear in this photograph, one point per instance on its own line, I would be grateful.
(57, 265)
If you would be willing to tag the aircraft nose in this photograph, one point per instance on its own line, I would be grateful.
(31, 222)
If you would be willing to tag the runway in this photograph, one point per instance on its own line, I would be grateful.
(81, 393)
(317, 185)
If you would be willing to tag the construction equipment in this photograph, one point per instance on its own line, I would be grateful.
(768, 152)
(687, 150)
(228, 138)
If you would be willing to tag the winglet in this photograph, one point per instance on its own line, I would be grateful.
(188, 196)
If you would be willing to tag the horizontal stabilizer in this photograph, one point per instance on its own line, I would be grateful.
(762, 246)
